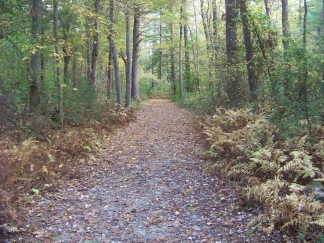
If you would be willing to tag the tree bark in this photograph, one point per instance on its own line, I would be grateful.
(128, 60)
(109, 72)
(180, 56)
(172, 61)
(88, 48)
(58, 70)
(204, 21)
(160, 51)
(66, 53)
(197, 47)
(95, 46)
(267, 9)
(136, 42)
(231, 37)
(285, 25)
(186, 49)
(35, 60)
(252, 79)
(305, 68)
(233, 85)
(215, 30)
(114, 52)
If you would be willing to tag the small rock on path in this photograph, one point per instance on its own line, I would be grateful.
(147, 186)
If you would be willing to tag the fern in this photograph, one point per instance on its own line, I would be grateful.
(319, 220)
(301, 164)
(9, 228)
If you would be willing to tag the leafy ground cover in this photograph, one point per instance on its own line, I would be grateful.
(282, 175)
(33, 165)
(148, 184)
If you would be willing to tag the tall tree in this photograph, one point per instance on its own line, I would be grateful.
(58, 70)
(109, 71)
(180, 53)
(160, 49)
(215, 31)
(186, 47)
(114, 52)
(196, 54)
(305, 68)
(204, 21)
(252, 79)
(136, 42)
(267, 9)
(233, 85)
(172, 57)
(128, 59)
(95, 46)
(285, 24)
(35, 59)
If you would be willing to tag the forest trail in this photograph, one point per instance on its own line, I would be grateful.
(148, 185)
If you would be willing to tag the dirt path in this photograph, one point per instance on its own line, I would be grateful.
(147, 186)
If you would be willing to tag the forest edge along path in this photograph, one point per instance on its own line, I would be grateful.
(148, 185)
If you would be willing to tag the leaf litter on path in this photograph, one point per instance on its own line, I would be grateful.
(149, 185)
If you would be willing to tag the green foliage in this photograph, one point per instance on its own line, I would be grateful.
(80, 104)
(150, 86)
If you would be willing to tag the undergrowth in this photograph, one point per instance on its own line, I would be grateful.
(35, 162)
(282, 175)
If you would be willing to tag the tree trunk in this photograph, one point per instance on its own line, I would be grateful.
(186, 47)
(204, 21)
(128, 60)
(35, 60)
(172, 55)
(180, 56)
(114, 53)
(197, 47)
(160, 53)
(252, 79)
(109, 72)
(267, 9)
(66, 53)
(88, 49)
(58, 70)
(215, 31)
(305, 68)
(136, 42)
(231, 37)
(95, 47)
(67, 59)
(285, 26)
(233, 85)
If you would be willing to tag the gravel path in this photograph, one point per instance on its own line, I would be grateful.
(148, 185)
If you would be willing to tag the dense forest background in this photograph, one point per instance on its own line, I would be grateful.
(59, 57)
(64, 61)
